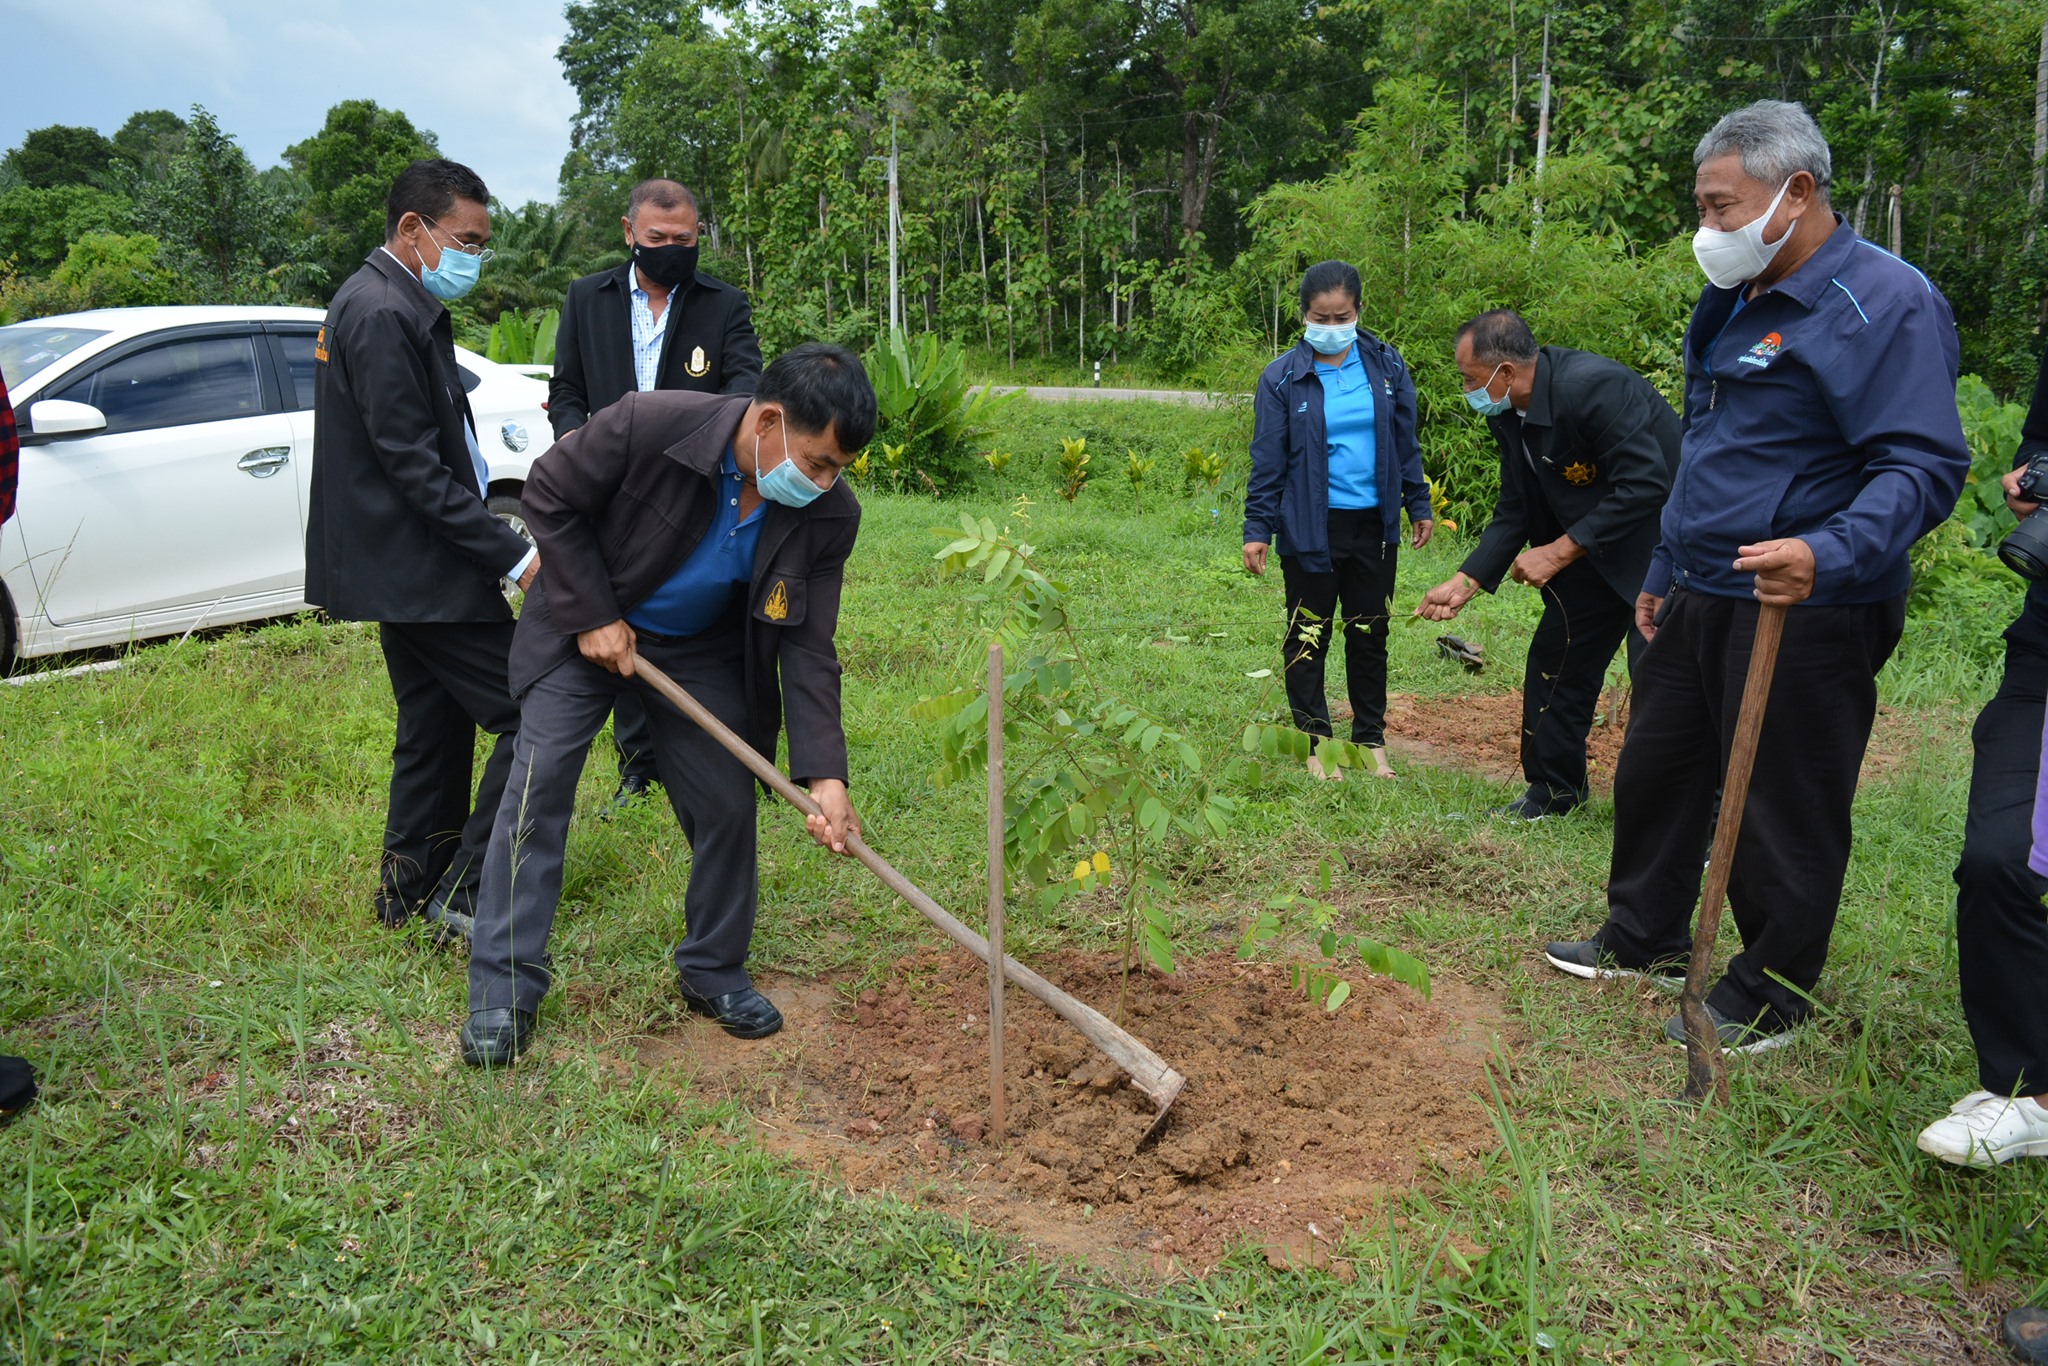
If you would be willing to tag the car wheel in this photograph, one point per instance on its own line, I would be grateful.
(505, 507)
(10, 633)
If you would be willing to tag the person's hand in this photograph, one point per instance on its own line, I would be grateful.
(1420, 532)
(532, 572)
(1255, 557)
(1539, 564)
(1647, 607)
(1783, 569)
(610, 647)
(2010, 482)
(837, 820)
(1443, 602)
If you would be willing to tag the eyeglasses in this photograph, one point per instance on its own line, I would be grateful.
(482, 254)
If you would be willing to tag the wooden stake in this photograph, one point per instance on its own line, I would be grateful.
(1706, 1071)
(1148, 1071)
(996, 1087)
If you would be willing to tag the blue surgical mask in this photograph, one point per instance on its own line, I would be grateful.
(785, 484)
(1483, 403)
(1330, 339)
(454, 275)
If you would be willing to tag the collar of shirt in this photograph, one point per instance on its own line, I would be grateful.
(409, 271)
(1350, 371)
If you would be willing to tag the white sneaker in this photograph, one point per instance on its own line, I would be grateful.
(1994, 1130)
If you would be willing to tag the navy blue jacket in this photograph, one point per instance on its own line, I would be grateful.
(1287, 504)
(1824, 409)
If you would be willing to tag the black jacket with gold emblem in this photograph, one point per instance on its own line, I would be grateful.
(616, 507)
(1593, 460)
(709, 346)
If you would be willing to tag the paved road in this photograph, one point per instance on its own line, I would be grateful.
(1055, 394)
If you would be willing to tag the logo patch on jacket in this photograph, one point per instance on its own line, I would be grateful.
(777, 606)
(1765, 351)
(320, 347)
(1579, 473)
(698, 366)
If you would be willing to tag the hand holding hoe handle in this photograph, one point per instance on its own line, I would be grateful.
(1148, 1071)
(1706, 1071)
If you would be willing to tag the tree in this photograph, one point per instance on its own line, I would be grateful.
(216, 218)
(348, 167)
(109, 270)
(37, 226)
(62, 155)
(147, 142)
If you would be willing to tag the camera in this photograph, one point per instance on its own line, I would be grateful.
(2025, 550)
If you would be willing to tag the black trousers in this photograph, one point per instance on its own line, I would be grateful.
(633, 738)
(710, 791)
(1360, 580)
(1793, 851)
(1584, 620)
(449, 682)
(2001, 929)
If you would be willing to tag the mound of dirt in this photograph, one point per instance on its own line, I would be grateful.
(1294, 1121)
(1482, 733)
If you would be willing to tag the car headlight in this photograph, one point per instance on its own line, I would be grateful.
(514, 437)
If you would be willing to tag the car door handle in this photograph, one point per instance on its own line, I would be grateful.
(266, 462)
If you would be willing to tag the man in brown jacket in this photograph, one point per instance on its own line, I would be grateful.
(709, 533)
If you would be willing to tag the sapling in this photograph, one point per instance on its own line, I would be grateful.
(1073, 466)
(1136, 469)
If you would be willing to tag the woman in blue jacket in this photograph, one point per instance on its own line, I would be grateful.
(1334, 462)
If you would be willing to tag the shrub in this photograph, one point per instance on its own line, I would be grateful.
(925, 406)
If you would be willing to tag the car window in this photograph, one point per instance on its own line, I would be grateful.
(26, 348)
(208, 379)
(470, 378)
(298, 357)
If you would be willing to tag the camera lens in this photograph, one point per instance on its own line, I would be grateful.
(2025, 551)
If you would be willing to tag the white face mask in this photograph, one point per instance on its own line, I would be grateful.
(1734, 258)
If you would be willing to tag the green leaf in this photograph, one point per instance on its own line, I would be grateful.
(1339, 994)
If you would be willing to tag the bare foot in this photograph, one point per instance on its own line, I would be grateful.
(1333, 774)
(1381, 768)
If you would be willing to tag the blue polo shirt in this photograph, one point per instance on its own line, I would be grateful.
(1352, 440)
(699, 593)
(1824, 408)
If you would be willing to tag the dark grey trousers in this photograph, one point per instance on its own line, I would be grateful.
(712, 794)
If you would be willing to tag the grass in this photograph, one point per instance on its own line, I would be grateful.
(256, 1143)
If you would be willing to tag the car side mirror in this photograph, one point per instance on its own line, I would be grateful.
(61, 417)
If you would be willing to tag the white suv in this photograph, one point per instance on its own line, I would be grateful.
(166, 463)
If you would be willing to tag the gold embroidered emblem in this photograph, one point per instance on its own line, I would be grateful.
(1579, 473)
(320, 347)
(777, 606)
(698, 366)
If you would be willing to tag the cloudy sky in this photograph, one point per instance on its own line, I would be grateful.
(481, 75)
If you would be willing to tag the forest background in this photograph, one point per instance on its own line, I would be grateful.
(1138, 184)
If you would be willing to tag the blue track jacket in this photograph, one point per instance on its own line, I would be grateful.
(1823, 409)
(1287, 504)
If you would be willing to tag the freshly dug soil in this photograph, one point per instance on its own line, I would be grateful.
(1294, 1121)
(1482, 733)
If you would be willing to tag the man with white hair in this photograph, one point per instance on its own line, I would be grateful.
(1821, 440)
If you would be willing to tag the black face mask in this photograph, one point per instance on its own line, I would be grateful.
(670, 266)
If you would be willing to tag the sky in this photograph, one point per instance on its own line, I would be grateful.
(481, 76)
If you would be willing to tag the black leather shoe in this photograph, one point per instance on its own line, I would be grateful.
(744, 1014)
(632, 787)
(450, 926)
(493, 1038)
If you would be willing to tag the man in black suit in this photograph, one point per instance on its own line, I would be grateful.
(1588, 449)
(708, 534)
(397, 532)
(654, 323)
